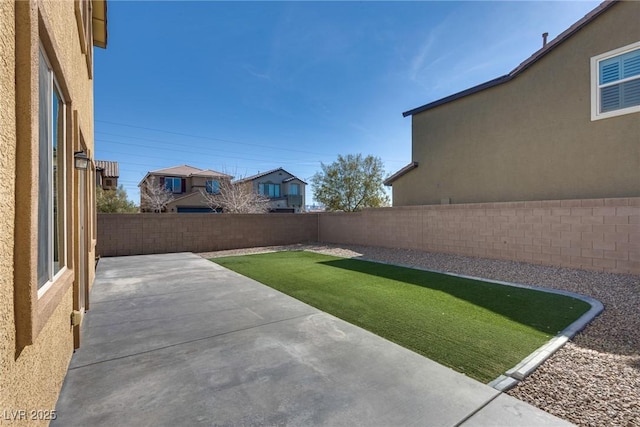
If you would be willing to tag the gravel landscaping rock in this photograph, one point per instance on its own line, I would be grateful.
(594, 380)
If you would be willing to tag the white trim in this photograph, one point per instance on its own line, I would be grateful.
(53, 92)
(44, 288)
(62, 203)
(595, 86)
(173, 178)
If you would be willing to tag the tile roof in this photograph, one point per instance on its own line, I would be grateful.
(524, 65)
(293, 178)
(211, 173)
(260, 175)
(109, 169)
(186, 171)
(182, 170)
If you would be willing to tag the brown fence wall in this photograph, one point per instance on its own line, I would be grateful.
(595, 234)
(135, 234)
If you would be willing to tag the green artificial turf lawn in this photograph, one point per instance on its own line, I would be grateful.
(478, 328)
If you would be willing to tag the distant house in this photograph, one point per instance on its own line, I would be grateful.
(186, 183)
(285, 191)
(107, 174)
(564, 124)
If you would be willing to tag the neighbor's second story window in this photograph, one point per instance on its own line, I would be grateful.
(269, 190)
(616, 77)
(213, 186)
(294, 189)
(173, 184)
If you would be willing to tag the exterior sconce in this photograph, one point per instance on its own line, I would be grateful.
(81, 160)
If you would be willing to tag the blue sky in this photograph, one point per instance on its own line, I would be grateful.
(244, 87)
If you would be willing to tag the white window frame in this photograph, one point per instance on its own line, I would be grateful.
(595, 83)
(209, 185)
(173, 188)
(48, 197)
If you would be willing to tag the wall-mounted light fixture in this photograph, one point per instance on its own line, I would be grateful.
(81, 160)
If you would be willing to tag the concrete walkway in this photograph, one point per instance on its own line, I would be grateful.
(175, 339)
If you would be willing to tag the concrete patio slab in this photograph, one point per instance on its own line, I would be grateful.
(175, 339)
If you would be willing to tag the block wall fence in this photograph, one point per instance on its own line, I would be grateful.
(593, 234)
(150, 233)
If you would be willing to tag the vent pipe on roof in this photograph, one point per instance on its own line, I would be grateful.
(544, 39)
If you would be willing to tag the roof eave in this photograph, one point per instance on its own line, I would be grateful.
(601, 8)
(466, 92)
(405, 170)
(260, 175)
(99, 23)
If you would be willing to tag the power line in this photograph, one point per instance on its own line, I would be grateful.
(190, 150)
(106, 153)
(210, 138)
(173, 144)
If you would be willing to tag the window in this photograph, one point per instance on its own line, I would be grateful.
(213, 187)
(270, 190)
(84, 13)
(173, 184)
(51, 176)
(615, 79)
(294, 189)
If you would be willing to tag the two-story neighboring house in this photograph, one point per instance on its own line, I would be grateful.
(285, 191)
(107, 174)
(564, 124)
(47, 193)
(186, 184)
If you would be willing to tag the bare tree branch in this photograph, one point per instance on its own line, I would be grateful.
(153, 196)
(236, 198)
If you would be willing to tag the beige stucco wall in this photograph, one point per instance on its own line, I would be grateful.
(36, 337)
(33, 381)
(7, 182)
(196, 183)
(531, 138)
(195, 199)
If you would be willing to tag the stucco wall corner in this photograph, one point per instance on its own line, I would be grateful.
(7, 185)
(41, 367)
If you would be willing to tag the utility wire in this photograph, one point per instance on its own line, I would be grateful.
(190, 150)
(210, 138)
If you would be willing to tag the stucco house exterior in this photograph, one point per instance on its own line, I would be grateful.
(48, 226)
(564, 124)
(186, 184)
(107, 174)
(285, 191)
